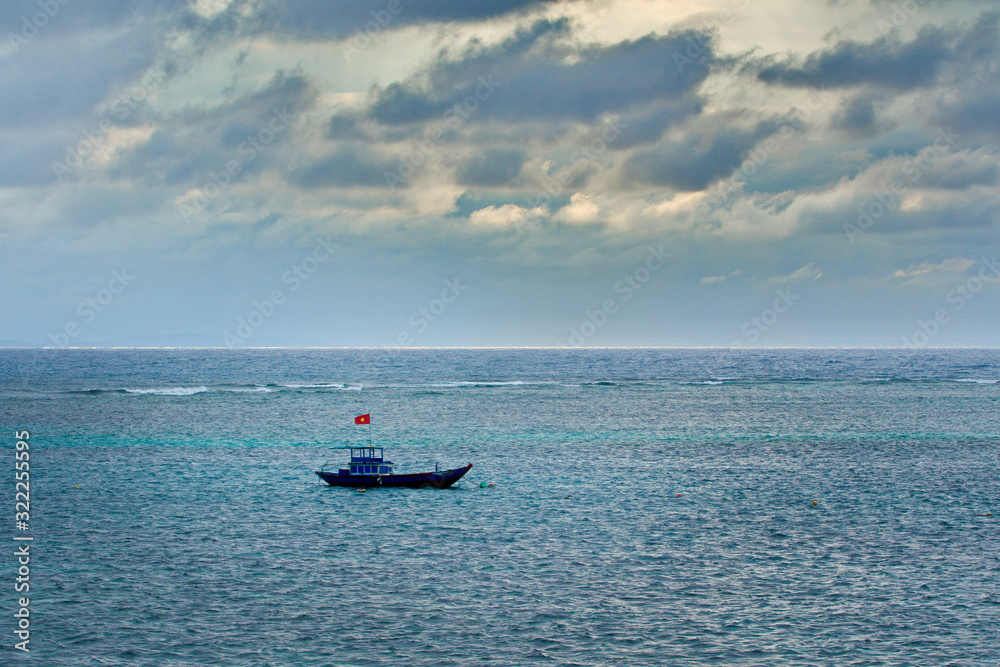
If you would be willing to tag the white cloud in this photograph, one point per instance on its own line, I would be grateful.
(720, 279)
(507, 215)
(581, 209)
(210, 8)
(808, 272)
(929, 270)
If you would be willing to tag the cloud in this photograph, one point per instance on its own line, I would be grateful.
(345, 126)
(342, 18)
(973, 106)
(720, 279)
(502, 216)
(493, 167)
(580, 132)
(927, 270)
(581, 209)
(963, 169)
(858, 115)
(700, 157)
(185, 146)
(348, 166)
(646, 124)
(808, 272)
(887, 62)
(539, 74)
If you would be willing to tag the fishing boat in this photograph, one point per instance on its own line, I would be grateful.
(368, 468)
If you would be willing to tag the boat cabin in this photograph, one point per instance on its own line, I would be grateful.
(367, 461)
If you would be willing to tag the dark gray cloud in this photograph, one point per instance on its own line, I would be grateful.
(961, 171)
(341, 18)
(975, 109)
(173, 157)
(348, 166)
(492, 167)
(858, 115)
(291, 91)
(646, 124)
(885, 62)
(345, 126)
(538, 75)
(700, 158)
(973, 103)
(249, 130)
(888, 62)
(981, 41)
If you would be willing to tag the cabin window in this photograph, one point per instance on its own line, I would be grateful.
(384, 470)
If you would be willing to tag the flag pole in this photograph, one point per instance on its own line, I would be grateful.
(366, 419)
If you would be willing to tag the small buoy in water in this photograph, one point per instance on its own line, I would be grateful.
(566, 498)
(77, 486)
(815, 503)
(492, 485)
(361, 490)
(678, 495)
(482, 485)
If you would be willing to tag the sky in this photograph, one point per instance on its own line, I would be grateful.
(732, 173)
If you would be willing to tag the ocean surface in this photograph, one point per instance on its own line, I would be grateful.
(649, 507)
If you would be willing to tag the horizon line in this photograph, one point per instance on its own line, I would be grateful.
(494, 347)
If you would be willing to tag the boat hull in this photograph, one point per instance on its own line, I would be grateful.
(439, 480)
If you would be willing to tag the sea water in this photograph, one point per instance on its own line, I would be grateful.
(649, 507)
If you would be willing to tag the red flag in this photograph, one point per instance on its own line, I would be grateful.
(363, 419)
